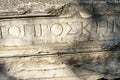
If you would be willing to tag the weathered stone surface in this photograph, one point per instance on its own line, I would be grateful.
(79, 66)
(64, 8)
(59, 39)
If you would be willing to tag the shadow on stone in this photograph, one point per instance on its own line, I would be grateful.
(89, 62)
(109, 79)
(4, 75)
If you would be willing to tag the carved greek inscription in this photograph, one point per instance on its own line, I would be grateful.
(55, 31)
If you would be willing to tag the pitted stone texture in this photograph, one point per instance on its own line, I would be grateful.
(85, 66)
(66, 8)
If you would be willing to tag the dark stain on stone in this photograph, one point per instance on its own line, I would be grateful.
(109, 79)
(74, 63)
(102, 79)
(1, 68)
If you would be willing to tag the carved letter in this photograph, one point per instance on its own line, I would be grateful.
(1, 31)
(29, 30)
(71, 31)
(84, 28)
(57, 29)
(14, 31)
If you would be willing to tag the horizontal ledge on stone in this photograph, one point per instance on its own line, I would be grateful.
(78, 77)
(26, 16)
(28, 53)
(50, 15)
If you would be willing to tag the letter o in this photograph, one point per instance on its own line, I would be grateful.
(14, 31)
(57, 29)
